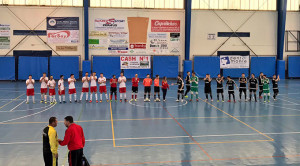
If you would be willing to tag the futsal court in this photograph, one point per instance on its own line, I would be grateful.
(152, 133)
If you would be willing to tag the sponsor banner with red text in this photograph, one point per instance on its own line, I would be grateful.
(63, 36)
(165, 25)
(135, 62)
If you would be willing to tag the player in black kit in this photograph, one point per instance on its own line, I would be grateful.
(260, 84)
(187, 84)
(243, 86)
(220, 90)
(253, 83)
(230, 83)
(275, 86)
(207, 87)
(180, 91)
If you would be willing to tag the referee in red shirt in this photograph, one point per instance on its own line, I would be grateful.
(75, 140)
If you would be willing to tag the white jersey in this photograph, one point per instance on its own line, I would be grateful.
(44, 84)
(122, 79)
(72, 84)
(85, 83)
(61, 85)
(93, 81)
(30, 86)
(51, 84)
(102, 80)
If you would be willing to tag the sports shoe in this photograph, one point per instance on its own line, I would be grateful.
(217, 100)
(130, 100)
(177, 100)
(164, 100)
(70, 101)
(120, 100)
(96, 101)
(145, 100)
(75, 101)
(134, 99)
(27, 102)
(42, 101)
(229, 101)
(86, 101)
(234, 101)
(264, 101)
(60, 102)
(33, 102)
(125, 100)
(51, 103)
(191, 100)
(211, 100)
(64, 101)
(158, 100)
(260, 97)
(223, 101)
(206, 100)
(182, 100)
(45, 102)
(197, 100)
(268, 101)
(90, 101)
(186, 96)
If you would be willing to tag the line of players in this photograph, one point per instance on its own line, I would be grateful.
(90, 83)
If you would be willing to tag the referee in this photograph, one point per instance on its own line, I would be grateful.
(75, 140)
(50, 143)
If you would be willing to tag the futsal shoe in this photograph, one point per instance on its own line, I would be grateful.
(145, 100)
(70, 101)
(78, 101)
(182, 100)
(223, 101)
(27, 102)
(148, 100)
(158, 100)
(64, 101)
(260, 97)
(191, 100)
(131, 100)
(211, 100)
(51, 103)
(101, 101)
(217, 100)
(42, 101)
(33, 102)
(265, 101)
(75, 101)
(121, 101)
(96, 101)
(164, 100)
(186, 96)
(177, 100)
(206, 100)
(60, 102)
(197, 100)
(90, 101)
(45, 102)
(229, 101)
(234, 101)
(134, 99)
(268, 101)
(125, 100)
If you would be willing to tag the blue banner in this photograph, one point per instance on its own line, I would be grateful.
(62, 23)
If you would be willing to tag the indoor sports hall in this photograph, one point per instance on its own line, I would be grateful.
(150, 82)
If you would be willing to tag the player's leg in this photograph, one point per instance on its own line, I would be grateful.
(188, 88)
(222, 96)
(211, 98)
(245, 93)
(182, 95)
(240, 94)
(192, 94)
(233, 96)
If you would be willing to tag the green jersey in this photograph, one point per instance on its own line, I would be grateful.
(194, 81)
(266, 83)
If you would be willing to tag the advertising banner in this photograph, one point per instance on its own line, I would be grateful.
(111, 24)
(165, 25)
(159, 43)
(98, 44)
(135, 62)
(63, 36)
(4, 36)
(234, 61)
(138, 48)
(175, 43)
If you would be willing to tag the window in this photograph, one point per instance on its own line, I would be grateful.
(43, 2)
(235, 4)
(293, 5)
(158, 4)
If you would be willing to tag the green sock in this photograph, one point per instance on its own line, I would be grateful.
(268, 97)
(192, 96)
(196, 96)
(264, 97)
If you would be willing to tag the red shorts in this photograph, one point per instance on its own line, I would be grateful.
(62, 92)
(102, 89)
(44, 90)
(72, 91)
(93, 89)
(122, 90)
(30, 92)
(85, 90)
(51, 92)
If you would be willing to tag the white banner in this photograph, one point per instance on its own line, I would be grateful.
(4, 36)
(63, 36)
(234, 61)
(111, 24)
(135, 62)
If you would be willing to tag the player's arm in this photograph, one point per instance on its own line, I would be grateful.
(83, 80)
(125, 80)
(235, 85)
(41, 80)
(278, 79)
(66, 139)
(27, 83)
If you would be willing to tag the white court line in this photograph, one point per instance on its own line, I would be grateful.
(17, 106)
(292, 103)
(26, 109)
(28, 115)
(282, 107)
(171, 137)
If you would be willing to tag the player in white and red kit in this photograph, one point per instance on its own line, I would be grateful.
(51, 84)
(61, 89)
(44, 80)
(30, 88)
(135, 87)
(122, 86)
(85, 86)
(72, 89)
(93, 88)
(102, 87)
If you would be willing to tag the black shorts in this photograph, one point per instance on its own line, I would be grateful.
(135, 89)
(147, 89)
(275, 90)
(220, 91)
(243, 90)
(113, 89)
(252, 90)
(207, 90)
(261, 87)
(231, 92)
(156, 89)
(180, 91)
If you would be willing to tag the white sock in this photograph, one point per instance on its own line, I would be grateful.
(124, 95)
(70, 97)
(33, 98)
(53, 99)
(91, 96)
(75, 96)
(86, 96)
(27, 98)
(120, 96)
(106, 96)
(100, 96)
(45, 97)
(81, 95)
(42, 96)
(96, 96)
(59, 97)
(64, 98)
(50, 99)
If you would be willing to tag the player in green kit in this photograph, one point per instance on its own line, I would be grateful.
(194, 87)
(266, 88)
